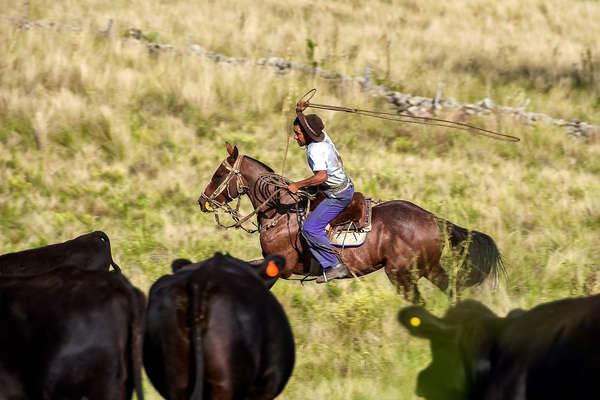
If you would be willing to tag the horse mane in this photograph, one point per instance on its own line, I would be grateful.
(265, 166)
(268, 182)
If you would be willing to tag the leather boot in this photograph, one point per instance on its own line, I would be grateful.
(336, 272)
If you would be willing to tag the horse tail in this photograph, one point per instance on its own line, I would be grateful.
(482, 258)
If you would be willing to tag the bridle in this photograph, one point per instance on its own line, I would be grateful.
(211, 203)
(234, 171)
(241, 187)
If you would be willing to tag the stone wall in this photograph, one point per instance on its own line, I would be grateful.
(400, 102)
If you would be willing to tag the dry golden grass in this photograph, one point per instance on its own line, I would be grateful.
(507, 50)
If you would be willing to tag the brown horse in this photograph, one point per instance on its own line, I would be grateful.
(405, 239)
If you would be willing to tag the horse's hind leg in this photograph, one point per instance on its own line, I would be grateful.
(438, 276)
(403, 280)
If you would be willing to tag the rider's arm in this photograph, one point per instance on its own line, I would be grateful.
(318, 178)
(301, 106)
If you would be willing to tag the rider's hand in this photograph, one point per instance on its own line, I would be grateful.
(292, 187)
(301, 106)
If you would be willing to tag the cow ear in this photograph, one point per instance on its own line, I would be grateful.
(272, 267)
(421, 323)
(179, 263)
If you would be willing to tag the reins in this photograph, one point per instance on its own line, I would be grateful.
(270, 179)
(240, 185)
(213, 205)
(399, 117)
(267, 179)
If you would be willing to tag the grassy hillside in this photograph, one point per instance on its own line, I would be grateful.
(100, 134)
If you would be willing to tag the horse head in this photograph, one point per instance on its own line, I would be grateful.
(226, 184)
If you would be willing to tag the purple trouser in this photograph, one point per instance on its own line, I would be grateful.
(314, 226)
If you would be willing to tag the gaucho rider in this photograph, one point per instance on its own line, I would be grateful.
(329, 175)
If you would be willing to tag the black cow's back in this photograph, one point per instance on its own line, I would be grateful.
(549, 352)
(166, 337)
(243, 333)
(70, 334)
(91, 252)
(260, 346)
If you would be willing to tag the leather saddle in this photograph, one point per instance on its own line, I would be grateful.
(357, 211)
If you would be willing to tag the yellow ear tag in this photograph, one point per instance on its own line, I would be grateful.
(208, 207)
(415, 321)
(272, 269)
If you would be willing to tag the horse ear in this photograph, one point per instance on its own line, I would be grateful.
(233, 152)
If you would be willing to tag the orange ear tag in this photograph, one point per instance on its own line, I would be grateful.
(272, 269)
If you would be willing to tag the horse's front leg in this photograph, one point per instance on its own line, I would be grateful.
(279, 244)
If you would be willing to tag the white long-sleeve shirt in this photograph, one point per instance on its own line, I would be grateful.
(323, 156)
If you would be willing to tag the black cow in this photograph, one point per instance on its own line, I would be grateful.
(70, 334)
(214, 331)
(549, 352)
(90, 252)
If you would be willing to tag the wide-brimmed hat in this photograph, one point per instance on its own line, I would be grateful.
(313, 126)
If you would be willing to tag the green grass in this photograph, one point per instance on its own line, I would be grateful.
(100, 135)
